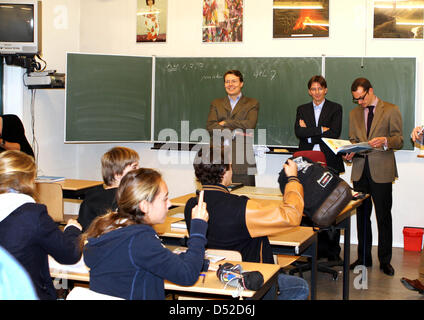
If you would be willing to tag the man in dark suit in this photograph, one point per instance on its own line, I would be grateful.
(314, 120)
(238, 114)
(318, 119)
(380, 124)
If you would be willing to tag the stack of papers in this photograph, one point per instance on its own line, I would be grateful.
(345, 146)
(78, 267)
(214, 258)
(179, 225)
(49, 179)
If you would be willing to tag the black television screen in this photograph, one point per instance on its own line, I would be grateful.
(16, 22)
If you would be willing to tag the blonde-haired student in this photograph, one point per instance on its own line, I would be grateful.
(115, 164)
(125, 255)
(26, 230)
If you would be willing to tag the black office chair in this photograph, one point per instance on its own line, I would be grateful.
(326, 267)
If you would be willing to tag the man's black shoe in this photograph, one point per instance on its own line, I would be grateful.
(359, 263)
(335, 261)
(387, 269)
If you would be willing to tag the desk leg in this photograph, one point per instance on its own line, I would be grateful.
(346, 258)
(314, 249)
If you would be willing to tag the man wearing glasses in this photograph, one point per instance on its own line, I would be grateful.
(321, 118)
(379, 123)
(236, 113)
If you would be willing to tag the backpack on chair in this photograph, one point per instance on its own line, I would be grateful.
(325, 193)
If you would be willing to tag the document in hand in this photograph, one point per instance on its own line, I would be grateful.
(345, 146)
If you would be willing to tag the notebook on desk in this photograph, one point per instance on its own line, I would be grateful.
(49, 179)
(179, 225)
(214, 258)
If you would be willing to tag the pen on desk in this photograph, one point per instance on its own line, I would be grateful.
(204, 276)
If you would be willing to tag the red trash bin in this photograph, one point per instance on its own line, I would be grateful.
(412, 238)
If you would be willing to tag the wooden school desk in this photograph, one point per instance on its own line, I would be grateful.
(251, 192)
(210, 286)
(296, 241)
(76, 188)
(306, 247)
(342, 222)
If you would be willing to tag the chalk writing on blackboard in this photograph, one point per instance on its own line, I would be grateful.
(211, 77)
(271, 74)
(174, 67)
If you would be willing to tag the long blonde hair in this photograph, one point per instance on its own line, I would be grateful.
(17, 172)
(136, 186)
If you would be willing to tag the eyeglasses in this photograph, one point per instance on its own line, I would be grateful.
(360, 98)
(227, 82)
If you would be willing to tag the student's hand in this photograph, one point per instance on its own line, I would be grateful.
(290, 168)
(377, 142)
(73, 222)
(417, 133)
(213, 266)
(199, 211)
(325, 129)
(302, 123)
(349, 156)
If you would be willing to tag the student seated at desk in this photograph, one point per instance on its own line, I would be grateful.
(241, 224)
(115, 164)
(125, 255)
(26, 229)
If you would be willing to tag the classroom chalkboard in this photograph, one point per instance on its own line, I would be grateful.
(393, 80)
(108, 98)
(184, 88)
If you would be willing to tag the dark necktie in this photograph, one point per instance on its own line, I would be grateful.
(369, 119)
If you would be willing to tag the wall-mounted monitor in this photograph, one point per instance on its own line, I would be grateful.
(20, 27)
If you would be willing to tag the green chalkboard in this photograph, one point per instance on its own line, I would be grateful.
(108, 98)
(393, 80)
(184, 88)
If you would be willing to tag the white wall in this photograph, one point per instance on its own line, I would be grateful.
(109, 26)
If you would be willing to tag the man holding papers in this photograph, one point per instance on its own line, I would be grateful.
(380, 124)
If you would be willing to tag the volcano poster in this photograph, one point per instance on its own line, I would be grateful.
(295, 19)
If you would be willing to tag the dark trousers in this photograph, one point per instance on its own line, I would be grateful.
(329, 243)
(247, 180)
(381, 196)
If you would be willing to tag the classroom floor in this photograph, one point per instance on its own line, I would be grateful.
(380, 286)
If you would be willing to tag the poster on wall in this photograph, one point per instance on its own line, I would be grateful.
(398, 19)
(222, 21)
(151, 20)
(295, 19)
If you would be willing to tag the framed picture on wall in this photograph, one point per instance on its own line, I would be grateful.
(295, 19)
(151, 20)
(398, 19)
(222, 21)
